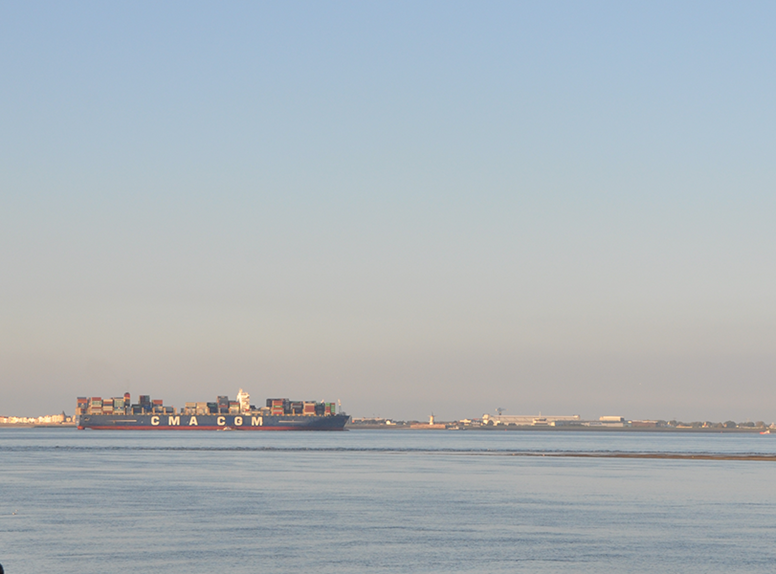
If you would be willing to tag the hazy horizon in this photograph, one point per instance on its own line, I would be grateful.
(440, 207)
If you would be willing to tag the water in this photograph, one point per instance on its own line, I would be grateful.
(382, 501)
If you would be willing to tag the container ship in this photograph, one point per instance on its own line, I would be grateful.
(119, 413)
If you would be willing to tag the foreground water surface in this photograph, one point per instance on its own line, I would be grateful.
(382, 501)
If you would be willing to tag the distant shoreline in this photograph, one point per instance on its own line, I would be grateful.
(647, 455)
(500, 428)
(37, 425)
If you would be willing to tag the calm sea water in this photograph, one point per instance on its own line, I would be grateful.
(381, 501)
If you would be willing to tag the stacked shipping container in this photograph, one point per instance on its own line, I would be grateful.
(275, 407)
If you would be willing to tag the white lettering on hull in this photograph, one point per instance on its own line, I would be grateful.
(155, 420)
(221, 421)
(174, 421)
(193, 422)
(238, 421)
(257, 421)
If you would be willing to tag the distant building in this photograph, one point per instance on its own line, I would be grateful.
(530, 420)
(610, 421)
(644, 424)
(42, 420)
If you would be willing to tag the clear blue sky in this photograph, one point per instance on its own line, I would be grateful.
(565, 207)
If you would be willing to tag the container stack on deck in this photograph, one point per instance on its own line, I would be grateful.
(146, 405)
(121, 405)
(280, 407)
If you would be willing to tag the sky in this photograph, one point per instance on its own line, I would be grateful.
(411, 207)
